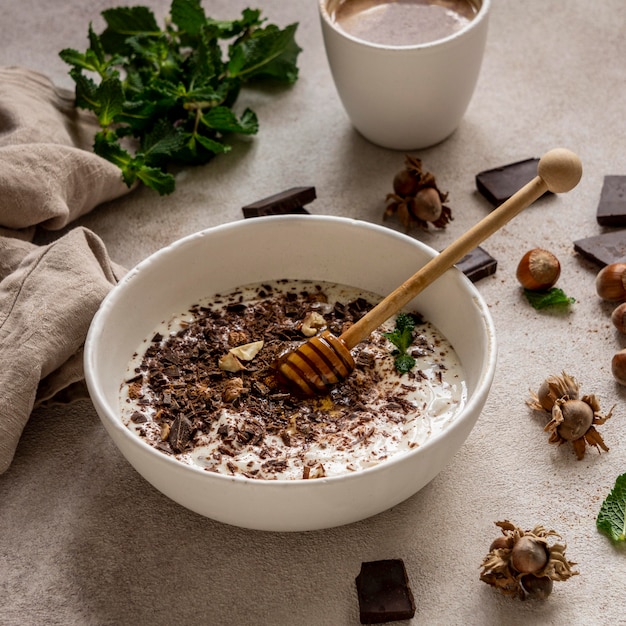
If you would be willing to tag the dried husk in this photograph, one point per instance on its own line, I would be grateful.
(498, 571)
(552, 389)
(417, 200)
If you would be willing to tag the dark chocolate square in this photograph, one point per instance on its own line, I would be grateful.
(477, 264)
(500, 183)
(384, 592)
(612, 206)
(603, 249)
(290, 201)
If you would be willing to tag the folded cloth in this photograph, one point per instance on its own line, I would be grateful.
(49, 176)
(46, 305)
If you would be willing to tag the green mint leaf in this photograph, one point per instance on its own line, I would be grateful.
(77, 59)
(405, 322)
(250, 19)
(224, 120)
(161, 142)
(404, 363)
(611, 519)
(125, 22)
(133, 167)
(105, 145)
(138, 117)
(110, 101)
(402, 335)
(130, 20)
(212, 145)
(188, 15)
(206, 94)
(554, 297)
(156, 179)
(198, 149)
(402, 338)
(270, 53)
(95, 46)
(86, 91)
(169, 89)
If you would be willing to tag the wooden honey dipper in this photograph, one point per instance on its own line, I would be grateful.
(325, 360)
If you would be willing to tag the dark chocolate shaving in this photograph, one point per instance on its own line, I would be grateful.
(180, 433)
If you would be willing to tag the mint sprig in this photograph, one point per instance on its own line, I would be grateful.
(402, 337)
(554, 297)
(164, 95)
(611, 519)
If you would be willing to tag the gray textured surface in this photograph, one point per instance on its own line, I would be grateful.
(85, 540)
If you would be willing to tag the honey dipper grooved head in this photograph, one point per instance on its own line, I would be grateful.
(314, 367)
(560, 169)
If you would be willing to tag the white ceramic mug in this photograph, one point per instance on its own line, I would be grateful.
(405, 97)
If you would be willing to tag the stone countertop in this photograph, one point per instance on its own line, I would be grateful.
(85, 540)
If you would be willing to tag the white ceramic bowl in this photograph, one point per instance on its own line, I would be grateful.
(313, 247)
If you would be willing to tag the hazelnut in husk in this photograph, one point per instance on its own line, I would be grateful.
(573, 418)
(523, 564)
(416, 199)
(553, 388)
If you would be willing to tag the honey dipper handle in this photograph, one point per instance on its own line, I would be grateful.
(558, 171)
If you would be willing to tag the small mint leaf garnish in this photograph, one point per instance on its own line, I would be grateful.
(404, 363)
(402, 337)
(554, 297)
(611, 519)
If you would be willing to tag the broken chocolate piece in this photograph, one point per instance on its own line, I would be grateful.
(477, 264)
(384, 592)
(500, 183)
(286, 202)
(612, 206)
(603, 249)
(180, 433)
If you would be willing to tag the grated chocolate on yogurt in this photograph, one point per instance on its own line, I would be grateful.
(188, 397)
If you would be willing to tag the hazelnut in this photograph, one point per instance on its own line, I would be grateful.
(529, 555)
(618, 367)
(426, 205)
(575, 418)
(499, 543)
(618, 317)
(611, 282)
(538, 270)
(232, 390)
(247, 351)
(539, 587)
(230, 363)
(312, 323)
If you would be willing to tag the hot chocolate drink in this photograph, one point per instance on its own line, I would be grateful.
(402, 22)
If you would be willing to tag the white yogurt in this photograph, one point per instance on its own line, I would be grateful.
(384, 414)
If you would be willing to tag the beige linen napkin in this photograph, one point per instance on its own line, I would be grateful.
(46, 305)
(49, 176)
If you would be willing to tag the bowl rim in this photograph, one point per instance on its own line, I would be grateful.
(113, 419)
